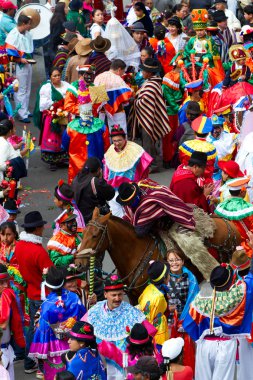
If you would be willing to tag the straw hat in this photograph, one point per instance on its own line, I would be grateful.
(83, 48)
(72, 44)
(34, 15)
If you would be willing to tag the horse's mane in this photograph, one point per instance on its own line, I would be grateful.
(122, 222)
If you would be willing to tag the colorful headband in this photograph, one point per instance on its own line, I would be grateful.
(62, 196)
(82, 336)
(161, 275)
(4, 276)
(134, 341)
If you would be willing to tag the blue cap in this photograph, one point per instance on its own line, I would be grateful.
(217, 120)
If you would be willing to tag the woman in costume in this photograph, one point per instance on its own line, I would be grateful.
(83, 359)
(59, 312)
(51, 94)
(183, 287)
(176, 35)
(163, 48)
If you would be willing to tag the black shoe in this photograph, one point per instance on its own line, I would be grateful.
(25, 120)
(33, 369)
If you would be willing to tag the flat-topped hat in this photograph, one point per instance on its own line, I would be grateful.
(157, 271)
(137, 27)
(33, 219)
(82, 331)
(113, 283)
(127, 193)
(221, 277)
(54, 278)
(100, 44)
(150, 65)
(219, 16)
(138, 335)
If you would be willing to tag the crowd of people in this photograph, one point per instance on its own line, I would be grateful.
(168, 86)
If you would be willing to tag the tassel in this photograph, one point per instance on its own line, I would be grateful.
(193, 67)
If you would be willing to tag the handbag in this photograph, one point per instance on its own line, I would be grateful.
(19, 168)
(103, 209)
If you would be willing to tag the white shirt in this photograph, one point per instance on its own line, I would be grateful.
(46, 96)
(233, 22)
(95, 28)
(7, 152)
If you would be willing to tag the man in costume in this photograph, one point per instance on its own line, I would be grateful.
(88, 135)
(63, 245)
(151, 207)
(124, 161)
(19, 47)
(32, 260)
(239, 71)
(184, 182)
(149, 110)
(153, 300)
(201, 126)
(202, 47)
(119, 94)
(217, 320)
(10, 322)
(112, 320)
(238, 210)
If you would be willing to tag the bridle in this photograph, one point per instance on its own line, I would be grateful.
(104, 229)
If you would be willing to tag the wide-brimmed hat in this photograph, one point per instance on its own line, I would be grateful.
(240, 183)
(127, 193)
(138, 335)
(72, 271)
(11, 206)
(231, 168)
(113, 283)
(72, 44)
(137, 27)
(100, 44)
(82, 331)
(150, 65)
(4, 275)
(240, 261)
(172, 348)
(221, 277)
(83, 48)
(33, 14)
(157, 271)
(33, 219)
(198, 158)
(54, 278)
(147, 364)
(219, 16)
(66, 216)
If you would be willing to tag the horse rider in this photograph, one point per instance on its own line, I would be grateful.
(150, 206)
(238, 210)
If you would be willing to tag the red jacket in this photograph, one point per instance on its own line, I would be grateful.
(32, 259)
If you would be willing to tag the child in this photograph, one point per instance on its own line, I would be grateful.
(63, 198)
(11, 207)
(83, 357)
(239, 71)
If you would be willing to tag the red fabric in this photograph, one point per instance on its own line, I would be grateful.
(208, 174)
(168, 147)
(164, 59)
(9, 309)
(249, 225)
(184, 185)
(32, 259)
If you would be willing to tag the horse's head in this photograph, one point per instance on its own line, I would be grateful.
(95, 234)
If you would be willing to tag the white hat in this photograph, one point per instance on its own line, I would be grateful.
(172, 348)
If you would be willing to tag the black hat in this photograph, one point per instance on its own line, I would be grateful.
(221, 277)
(33, 219)
(138, 335)
(82, 331)
(70, 25)
(11, 206)
(113, 283)
(219, 16)
(127, 193)
(72, 271)
(92, 164)
(137, 27)
(220, 1)
(54, 278)
(157, 271)
(175, 21)
(63, 191)
(150, 65)
(100, 44)
(147, 364)
(117, 131)
(198, 158)
(4, 275)
(193, 107)
(75, 5)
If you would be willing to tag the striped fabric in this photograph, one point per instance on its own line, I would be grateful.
(149, 110)
(158, 201)
(101, 62)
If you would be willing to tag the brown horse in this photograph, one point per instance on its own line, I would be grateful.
(131, 254)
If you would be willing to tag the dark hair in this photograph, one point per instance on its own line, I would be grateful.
(54, 68)
(139, 6)
(23, 19)
(146, 349)
(11, 226)
(94, 11)
(248, 9)
(58, 16)
(178, 7)
(29, 230)
(64, 375)
(118, 64)
(5, 127)
(176, 22)
(201, 135)
(164, 367)
(159, 32)
(165, 15)
(234, 193)
(149, 51)
(66, 190)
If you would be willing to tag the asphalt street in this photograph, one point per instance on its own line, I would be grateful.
(38, 187)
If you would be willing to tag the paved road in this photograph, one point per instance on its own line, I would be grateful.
(38, 188)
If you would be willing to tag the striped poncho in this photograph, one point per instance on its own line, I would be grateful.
(156, 202)
(149, 110)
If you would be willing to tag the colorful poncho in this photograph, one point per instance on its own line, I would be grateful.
(234, 209)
